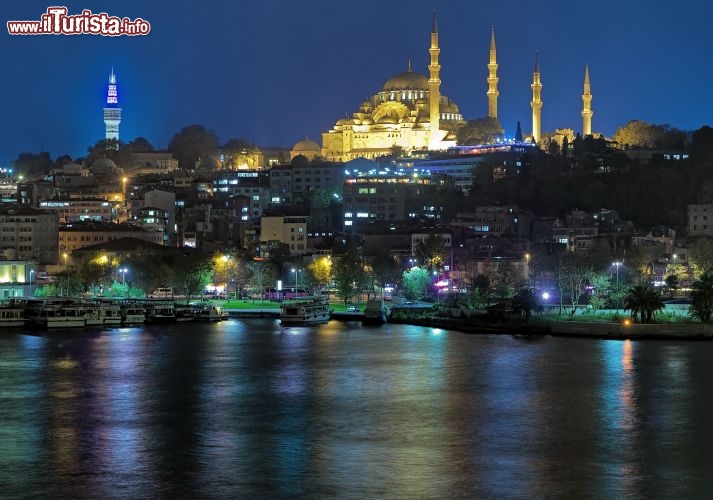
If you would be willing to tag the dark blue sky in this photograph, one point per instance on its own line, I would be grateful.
(276, 70)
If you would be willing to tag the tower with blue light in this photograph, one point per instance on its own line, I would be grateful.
(112, 111)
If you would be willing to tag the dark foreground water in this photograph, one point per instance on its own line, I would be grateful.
(249, 409)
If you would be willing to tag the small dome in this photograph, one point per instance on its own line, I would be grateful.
(344, 121)
(407, 80)
(306, 145)
(451, 136)
(367, 121)
(104, 164)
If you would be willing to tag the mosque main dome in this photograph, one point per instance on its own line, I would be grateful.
(408, 80)
(408, 113)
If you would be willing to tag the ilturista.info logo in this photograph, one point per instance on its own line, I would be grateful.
(56, 21)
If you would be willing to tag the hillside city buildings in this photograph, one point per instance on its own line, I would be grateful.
(386, 175)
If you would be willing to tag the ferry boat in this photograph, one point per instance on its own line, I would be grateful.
(12, 316)
(102, 314)
(160, 311)
(58, 315)
(209, 312)
(375, 312)
(315, 310)
(132, 314)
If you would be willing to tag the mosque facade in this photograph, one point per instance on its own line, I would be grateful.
(409, 113)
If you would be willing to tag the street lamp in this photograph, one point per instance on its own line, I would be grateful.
(617, 265)
(123, 272)
(65, 259)
(297, 273)
(32, 271)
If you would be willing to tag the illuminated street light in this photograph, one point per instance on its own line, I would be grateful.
(617, 265)
(123, 272)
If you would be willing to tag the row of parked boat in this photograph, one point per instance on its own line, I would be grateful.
(73, 313)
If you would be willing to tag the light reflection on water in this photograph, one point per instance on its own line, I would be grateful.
(251, 408)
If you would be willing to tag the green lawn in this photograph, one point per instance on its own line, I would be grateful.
(250, 304)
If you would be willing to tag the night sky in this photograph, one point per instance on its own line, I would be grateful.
(274, 71)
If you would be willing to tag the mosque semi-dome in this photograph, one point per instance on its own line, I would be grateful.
(408, 80)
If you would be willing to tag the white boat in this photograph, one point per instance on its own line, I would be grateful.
(59, 315)
(306, 311)
(102, 314)
(160, 311)
(132, 314)
(12, 316)
(375, 312)
(209, 312)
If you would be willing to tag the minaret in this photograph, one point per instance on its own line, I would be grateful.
(536, 103)
(434, 85)
(493, 79)
(112, 111)
(587, 105)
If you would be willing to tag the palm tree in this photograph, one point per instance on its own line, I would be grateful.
(644, 302)
(702, 297)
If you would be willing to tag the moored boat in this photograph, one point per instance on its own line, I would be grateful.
(12, 316)
(132, 314)
(102, 314)
(315, 310)
(60, 314)
(160, 311)
(209, 312)
(375, 312)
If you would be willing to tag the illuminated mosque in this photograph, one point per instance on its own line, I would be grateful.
(409, 112)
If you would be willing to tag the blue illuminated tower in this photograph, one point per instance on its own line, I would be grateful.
(112, 111)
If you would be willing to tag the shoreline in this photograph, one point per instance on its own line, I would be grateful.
(537, 328)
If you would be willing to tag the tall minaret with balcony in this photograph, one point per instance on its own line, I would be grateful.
(493, 79)
(587, 105)
(536, 103)
(112, 111)
(434, 86)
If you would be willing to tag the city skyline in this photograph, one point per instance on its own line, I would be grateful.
(277, 72)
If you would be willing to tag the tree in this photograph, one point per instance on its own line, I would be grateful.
(701, 253)
(702, 298)
(149, 272)
(416, 281)
(672, 284)
(30, 164)
(112, 149)
(644, 302)
(191, 276)
(480, 131)
(321, 271)
(525, 302)
(574, 273)
(431, 251)
(139, 145)
(349, 275)
(262, 275)
(191, 144)
(240, 153)
(702, 145)
(638, 133)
